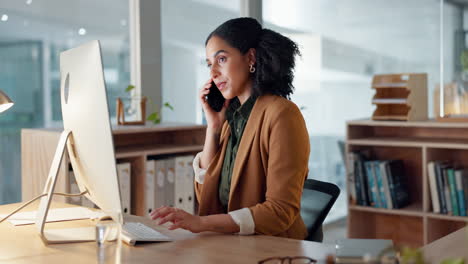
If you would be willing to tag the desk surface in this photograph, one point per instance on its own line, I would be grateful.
(454, 245)
(22, 244)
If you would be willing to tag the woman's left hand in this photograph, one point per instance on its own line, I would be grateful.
(179, 218)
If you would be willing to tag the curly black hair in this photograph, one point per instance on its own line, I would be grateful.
(275, 54)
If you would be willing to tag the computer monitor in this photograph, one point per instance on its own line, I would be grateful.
(88, 138)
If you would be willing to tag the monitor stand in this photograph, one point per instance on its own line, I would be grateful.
(68, 235)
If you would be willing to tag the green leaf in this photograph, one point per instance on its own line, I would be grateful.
(129, 88)
(168, 105)
(153, 116)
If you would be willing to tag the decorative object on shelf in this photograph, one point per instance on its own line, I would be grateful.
(455, 96)
(400, 97)
(5, 102)
(121, 113)
(155, 116)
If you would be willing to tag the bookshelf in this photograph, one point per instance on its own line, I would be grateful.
(416, 143)
(133, 144)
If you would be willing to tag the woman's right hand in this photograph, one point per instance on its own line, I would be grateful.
(214, 119)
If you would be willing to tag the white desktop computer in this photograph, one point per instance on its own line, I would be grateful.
(88, 139)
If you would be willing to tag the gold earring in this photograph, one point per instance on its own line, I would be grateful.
(251, 68)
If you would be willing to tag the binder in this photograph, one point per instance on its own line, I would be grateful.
(189, 185)
(169, 183)
(149, 185)
(123, 172)
(159, 198)
(179, 187)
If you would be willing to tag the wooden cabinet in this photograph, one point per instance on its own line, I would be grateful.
(133, 144)
(416, 144)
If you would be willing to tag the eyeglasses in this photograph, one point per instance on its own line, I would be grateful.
(288, 260)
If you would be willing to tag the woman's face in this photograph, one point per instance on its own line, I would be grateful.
(229, 69)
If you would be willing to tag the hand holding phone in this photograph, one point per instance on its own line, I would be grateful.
(215, 98)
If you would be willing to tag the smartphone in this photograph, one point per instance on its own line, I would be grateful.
(215, 98)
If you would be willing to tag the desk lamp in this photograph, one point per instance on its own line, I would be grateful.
(5, 102)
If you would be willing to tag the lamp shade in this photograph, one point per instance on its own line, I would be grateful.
(5, 102)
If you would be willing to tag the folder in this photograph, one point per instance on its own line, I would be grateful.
(123, 172)
(170, 182)
(189, 185)
(179, 186)
(149, 185)
(160, 184)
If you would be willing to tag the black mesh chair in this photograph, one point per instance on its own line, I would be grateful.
(317, 199)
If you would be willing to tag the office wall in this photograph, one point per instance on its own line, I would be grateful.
(185, 26)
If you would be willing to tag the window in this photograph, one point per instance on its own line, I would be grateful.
(33, 35)
(345, 43)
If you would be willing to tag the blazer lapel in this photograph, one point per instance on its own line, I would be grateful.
(209, 203)
(246, 143)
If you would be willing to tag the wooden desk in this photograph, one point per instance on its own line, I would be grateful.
(454, 245)
(22, 244)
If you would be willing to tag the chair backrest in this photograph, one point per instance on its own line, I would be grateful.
(317, 199)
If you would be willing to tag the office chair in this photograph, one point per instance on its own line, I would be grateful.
(317, 199)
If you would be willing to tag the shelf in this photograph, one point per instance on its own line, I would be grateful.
(390, 85)
(391, 117)
(423, 124)
(402, 101)
(447, 217)
(411, 210)
(125, 152)
(410, 142)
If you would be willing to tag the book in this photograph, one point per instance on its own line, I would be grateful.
(372, 183)
(446, 191)
(440, 186)
(398, 177)
(380, 186)
(431, 169)
(460, 191)
(365, 192)
(353, 185)
(453, 190)
(383, 172)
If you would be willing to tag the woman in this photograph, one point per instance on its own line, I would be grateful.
(250, 174)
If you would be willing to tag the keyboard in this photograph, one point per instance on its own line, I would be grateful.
(139, 231)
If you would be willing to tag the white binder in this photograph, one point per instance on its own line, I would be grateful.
(159, 197)
(149, 185)
(123, 172)
(189, 185)
(170, 182)
(179, 187)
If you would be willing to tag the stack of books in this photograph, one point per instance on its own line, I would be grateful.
(377, 183)
(448, 187)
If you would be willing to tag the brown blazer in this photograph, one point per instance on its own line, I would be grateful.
(269, 170)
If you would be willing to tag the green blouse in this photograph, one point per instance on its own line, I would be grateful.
(237, 116)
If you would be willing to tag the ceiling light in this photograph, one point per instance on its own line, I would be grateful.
(82, 31)
(123, 22)
(28, 2)
(4, 17)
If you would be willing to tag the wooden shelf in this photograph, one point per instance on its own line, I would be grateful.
(126, 152)
(411, 210)
(416, 143)
(447, 217)
(411, 142)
